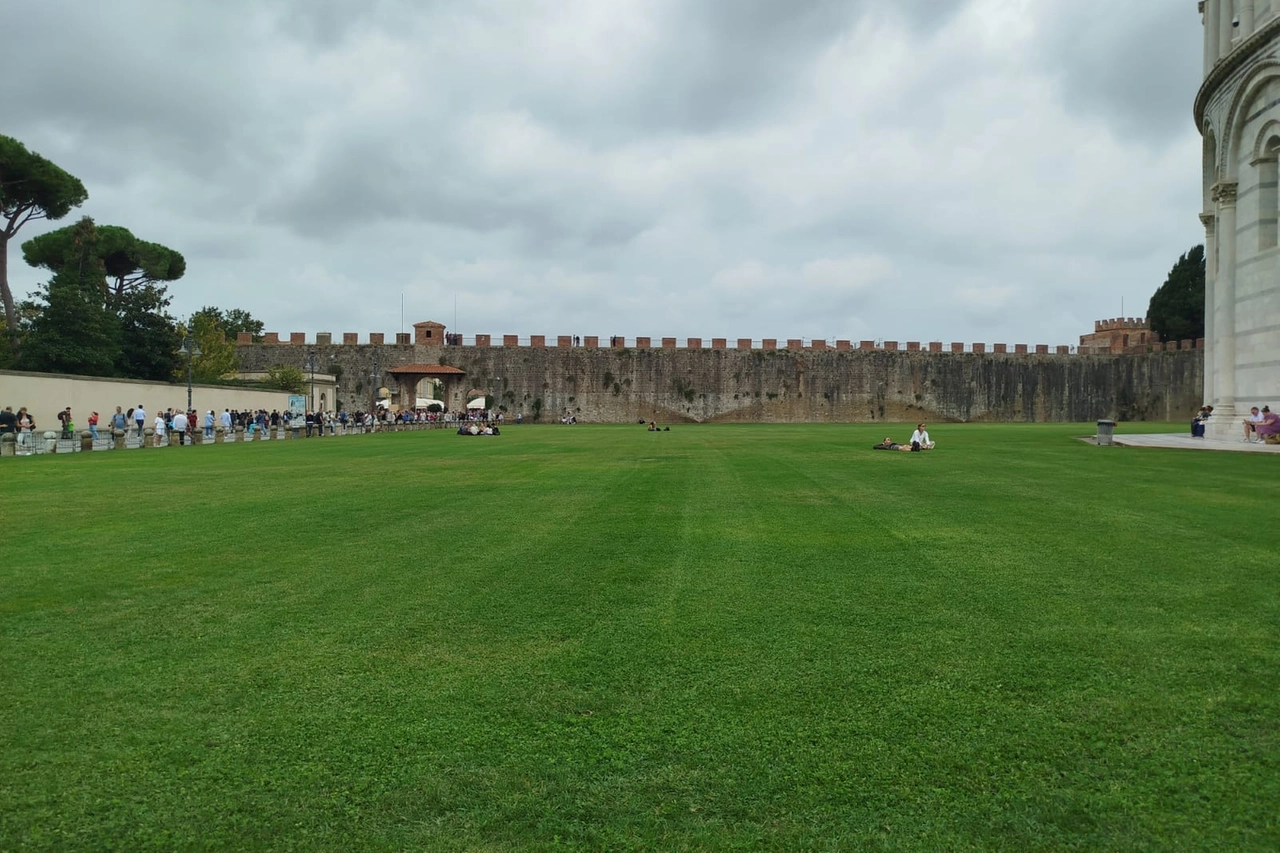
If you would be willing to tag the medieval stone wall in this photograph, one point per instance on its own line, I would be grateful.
(622, 385)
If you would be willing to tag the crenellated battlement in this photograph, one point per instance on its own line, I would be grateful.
(434, 335)
(1117, 336)
(1120, 324)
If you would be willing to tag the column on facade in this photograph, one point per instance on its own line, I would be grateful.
(1246, 18)
(1210, 9)
(1224, 303)
(1210, 278)
(1226, 17)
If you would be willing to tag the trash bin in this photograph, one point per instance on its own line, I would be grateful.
(1106, 429)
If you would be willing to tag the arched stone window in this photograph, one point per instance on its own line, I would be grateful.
(1267, 161)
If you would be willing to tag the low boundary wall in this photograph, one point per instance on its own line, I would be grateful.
(46, 394)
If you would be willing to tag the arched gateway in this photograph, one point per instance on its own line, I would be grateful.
(410, 376)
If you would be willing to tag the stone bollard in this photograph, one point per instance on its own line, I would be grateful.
(219, 434)
(148, 436)
(9, 444)
(117, 439)
(197, 436)
(86, 441)
(50, 442)
(173, 438)
(239, 433)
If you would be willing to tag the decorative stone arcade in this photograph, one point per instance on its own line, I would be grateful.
(1238, 112)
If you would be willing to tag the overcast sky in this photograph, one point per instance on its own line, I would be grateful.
(955, 170)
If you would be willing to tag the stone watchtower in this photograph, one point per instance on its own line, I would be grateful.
(428, 333)
(1238, 112)
(1117, 336)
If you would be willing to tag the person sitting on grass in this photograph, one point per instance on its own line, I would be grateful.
(890, 444)
(920, 439)
(1269, 428)
(1251, 423)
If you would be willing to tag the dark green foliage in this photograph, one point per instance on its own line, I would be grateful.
(131, 289)
(1176, 311)
(130, 264)
(218, 358)
(149, 337)
(31, 187)
(232, 322)
(287, 378)
(73, 332)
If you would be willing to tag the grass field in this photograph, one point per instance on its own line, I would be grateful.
(721, 637)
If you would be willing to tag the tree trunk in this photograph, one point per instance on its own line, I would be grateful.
(10, 312)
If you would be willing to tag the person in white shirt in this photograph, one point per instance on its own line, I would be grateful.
(1251, 424)
(159, 427)
(140, 418)
(225, 419)
(920, 438)
(180, 426)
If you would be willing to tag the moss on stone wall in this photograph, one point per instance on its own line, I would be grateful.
(624, 385)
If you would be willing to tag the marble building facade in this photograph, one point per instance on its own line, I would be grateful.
(1238, 113)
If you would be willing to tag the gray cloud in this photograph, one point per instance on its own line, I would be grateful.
(1135, 65)
(934, 169)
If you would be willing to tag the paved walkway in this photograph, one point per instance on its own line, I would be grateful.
(1185, 442)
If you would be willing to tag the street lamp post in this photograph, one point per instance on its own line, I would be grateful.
(311, 363)
(373, 392)
(190, 349)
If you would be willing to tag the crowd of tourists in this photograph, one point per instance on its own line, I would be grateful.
(184, 423)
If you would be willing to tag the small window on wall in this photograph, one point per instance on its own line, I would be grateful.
(1268, 197)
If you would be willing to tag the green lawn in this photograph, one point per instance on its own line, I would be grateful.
(721, 637)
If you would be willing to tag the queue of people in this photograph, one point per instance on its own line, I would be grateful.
(181, 424)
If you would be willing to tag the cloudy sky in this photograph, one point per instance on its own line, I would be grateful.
(955, 170)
